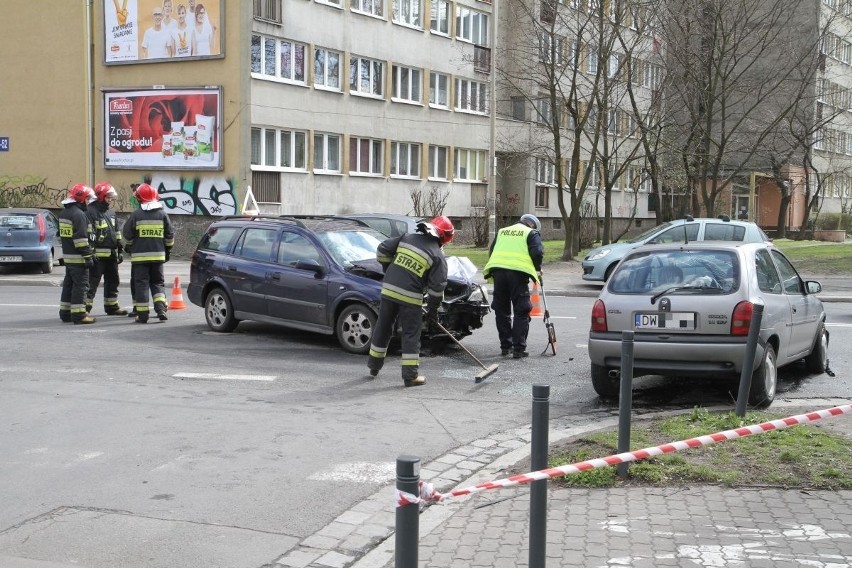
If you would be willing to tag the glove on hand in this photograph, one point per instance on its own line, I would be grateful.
(168, 254)
(90, 262)
(120, 258)
(432, 310)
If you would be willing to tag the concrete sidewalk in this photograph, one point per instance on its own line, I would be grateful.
(560, 279)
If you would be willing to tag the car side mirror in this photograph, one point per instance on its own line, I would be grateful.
(813, 287)
(309, 264)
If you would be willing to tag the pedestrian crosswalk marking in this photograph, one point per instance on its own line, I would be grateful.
(226, 377)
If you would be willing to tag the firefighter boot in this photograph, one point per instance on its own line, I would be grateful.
(84, 320)
(415, 382)
(117, 312)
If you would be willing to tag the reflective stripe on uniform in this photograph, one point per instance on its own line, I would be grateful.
(402, 295)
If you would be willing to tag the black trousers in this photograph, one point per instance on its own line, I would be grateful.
(410, 318)
(511, 296)
(108, 269)
(72, 301)
(148, 277)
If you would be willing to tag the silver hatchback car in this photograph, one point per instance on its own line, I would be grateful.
(690, 307)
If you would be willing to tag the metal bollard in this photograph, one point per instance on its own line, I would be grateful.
(538, 488)
(748, 360)
(625, 401)
(407, 516)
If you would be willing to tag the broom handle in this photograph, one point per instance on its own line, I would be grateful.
(444, 329)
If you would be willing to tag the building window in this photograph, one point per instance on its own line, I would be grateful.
(335, 3)
(471, 25)
(551, 49)
(439, 85)
(405, 159)
(327, 68)
(273, 148)
(471, 96)
(591, 60)
(519, 108)
(269, 10)
(406, 84)
(440, 17)
(366, 76)
(282, 59)
(372, 7)
(407, 12)
(470, 164)
(438, 162)
(545, 172)
(326, 153)
(542, 196)
(544, 111)
(365, 156)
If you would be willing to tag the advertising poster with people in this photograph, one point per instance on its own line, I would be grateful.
(137, 31)
(163, 128)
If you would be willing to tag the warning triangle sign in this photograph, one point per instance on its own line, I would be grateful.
(250, 206)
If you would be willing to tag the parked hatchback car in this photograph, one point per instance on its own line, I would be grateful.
(690, 307)
(601, 261)
(317, 274)
(29, 237)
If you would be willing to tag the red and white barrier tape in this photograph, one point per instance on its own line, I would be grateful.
(430, 495)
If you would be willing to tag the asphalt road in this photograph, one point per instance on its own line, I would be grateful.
(169, 445)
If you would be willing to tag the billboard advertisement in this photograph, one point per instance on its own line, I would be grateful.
(163, 128)
(141, 31)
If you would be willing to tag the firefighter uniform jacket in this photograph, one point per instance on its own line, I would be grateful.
(108, 239)
(148, 234)
(75, 229)
(413, 263)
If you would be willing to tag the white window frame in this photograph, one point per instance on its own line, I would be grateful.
(469, 164)
(332, 3)
(471, 26)
(406, 79)
(292, 138)
(439, 18)
(405, 160)
(270, 157)
(322, 75)
(374, 8)
(374, 83)
(542, 196)
(591, 60)
(375, 149)
(544, 53)
(471, 96)
(272, 70)
(545, 172)
(408, 13)
(614, 64)
(434, 162)
(323, 143)
(435, 91)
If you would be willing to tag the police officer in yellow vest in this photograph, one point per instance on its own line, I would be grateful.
(515, 258)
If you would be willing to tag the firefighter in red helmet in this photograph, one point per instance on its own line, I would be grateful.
(414, 263)
(149, 237)
(75, 230)
(108, 250)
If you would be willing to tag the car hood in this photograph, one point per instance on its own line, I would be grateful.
(368, 268)
(613, 247)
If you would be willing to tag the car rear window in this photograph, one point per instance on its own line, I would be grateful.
(723, 232)
(218, 239)
(17, 221)
(652, 271)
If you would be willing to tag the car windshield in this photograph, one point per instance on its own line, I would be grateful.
(643, 236)
(348, 247)
(682, 271)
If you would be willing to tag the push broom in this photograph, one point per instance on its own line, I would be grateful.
(480, 376)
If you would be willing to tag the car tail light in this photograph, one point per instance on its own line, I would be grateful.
(42, 230)
(741, 318)
(599, 316)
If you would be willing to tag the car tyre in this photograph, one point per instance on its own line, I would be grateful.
(354, 328)
(817, 361)
(764, 380)
(47, 267)
(604, 385)
(219, 311)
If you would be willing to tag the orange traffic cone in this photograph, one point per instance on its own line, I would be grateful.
(536, 302)
(177, 297)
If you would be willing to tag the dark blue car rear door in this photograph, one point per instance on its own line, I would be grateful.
(298, 295)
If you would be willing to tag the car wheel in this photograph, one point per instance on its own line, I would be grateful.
(219, 311)
(354, 328)
(764, 380)
(604, 385)
(47, 267)
(817, 361)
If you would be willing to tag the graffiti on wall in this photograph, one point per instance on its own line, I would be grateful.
(30, 191)
(213, 195)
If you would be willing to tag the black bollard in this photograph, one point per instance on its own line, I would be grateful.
(748, 360)
(407, 516)
(625, 401)
(538, 488)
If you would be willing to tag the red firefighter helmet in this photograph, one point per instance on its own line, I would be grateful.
(104, 190)
(444, 229)
(146, 194)
(80, 193)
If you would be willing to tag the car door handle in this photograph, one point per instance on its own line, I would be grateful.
(795, 310)
(232, 268)
(275, 275)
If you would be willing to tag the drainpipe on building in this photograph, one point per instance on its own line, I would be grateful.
(491, 199)
(90, 122)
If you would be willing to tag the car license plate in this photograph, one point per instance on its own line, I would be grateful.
(11, 259)
(665, 320)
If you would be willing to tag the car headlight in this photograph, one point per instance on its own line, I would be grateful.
(599, 255)
(479, 295)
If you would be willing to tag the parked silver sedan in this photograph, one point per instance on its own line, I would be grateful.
(690, 307)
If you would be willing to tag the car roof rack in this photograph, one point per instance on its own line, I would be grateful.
(297, 220)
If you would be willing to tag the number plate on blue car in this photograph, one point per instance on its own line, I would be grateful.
(664, 320)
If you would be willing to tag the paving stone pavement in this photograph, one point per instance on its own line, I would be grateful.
(639, 527)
